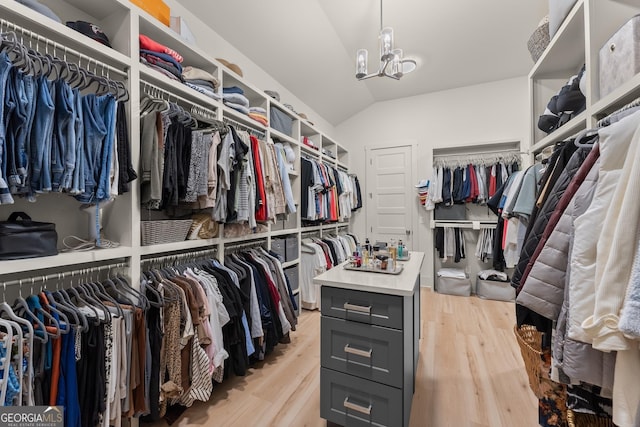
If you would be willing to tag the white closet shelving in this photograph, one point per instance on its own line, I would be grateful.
(123, 22)
(578, 41)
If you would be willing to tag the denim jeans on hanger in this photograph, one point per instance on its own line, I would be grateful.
(18, 130)
(78, 180)
(40, 154)
(5, 67)
(63, 156)
(108, 108)
(94, 132)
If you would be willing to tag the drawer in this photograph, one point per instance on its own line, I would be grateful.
(351, 401)
(293, 277)
(370, 352)
(365, 307)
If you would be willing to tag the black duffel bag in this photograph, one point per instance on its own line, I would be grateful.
(20, 237)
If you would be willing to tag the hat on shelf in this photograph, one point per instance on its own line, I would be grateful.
(272, 93)
(304, 116)
(90, 30)
(231, 66)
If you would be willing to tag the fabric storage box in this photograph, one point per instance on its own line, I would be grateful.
(558, 11)
(281, 121)
(156, 8)
(290, 222)
(620, 57)
(495, 290)
(291, 252)
(278, 246)
(278, 225)
(453, 286)
(451, 213)
(292, 277)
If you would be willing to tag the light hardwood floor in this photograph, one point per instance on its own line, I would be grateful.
(470, 373)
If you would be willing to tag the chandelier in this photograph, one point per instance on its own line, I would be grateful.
(392, 62)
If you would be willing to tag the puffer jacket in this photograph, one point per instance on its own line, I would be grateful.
(524, 315)
(574, 359)
(543, 281)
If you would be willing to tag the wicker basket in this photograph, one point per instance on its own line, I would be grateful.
(166, 231)
(576, 419)
(530, 343)
(539, 40)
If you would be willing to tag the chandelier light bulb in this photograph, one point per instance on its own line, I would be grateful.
(386, 44)
(396, 63)
(362, 58)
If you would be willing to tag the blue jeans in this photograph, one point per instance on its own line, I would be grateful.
(78, 181)
(41, 134)
(108, 108)
(5, 67)
(63, 156)
(94, 132)
(18, 127)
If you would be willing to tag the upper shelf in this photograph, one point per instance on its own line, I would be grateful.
(566, 51)
(572, 127)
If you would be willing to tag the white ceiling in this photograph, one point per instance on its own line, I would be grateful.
(309, 45)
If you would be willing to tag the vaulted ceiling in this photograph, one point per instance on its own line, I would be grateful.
(309, 45)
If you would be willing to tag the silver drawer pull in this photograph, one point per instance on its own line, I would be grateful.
(357, 408)
(355, 351)
(357, 308)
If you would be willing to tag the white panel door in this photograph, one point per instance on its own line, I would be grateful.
(388, 194)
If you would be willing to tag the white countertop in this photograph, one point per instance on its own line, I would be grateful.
(401, 284)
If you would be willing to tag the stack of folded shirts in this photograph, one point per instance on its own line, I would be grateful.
(202, 81)
(161, 58)
(234, 97)
(423, 191)
(259, 114)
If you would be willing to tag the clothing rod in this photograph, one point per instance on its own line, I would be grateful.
(64, 274)
(243, 126)
(180, 256)
(67, 50)
(146, 85)
(475, 153)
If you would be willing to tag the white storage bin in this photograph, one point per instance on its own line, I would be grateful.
(453, 286)
(495, 290)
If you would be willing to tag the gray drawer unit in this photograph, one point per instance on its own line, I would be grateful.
(293, 277)
(370, 352)
(366, 307)
(351, 401)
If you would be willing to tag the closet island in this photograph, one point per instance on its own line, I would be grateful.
(370, 329)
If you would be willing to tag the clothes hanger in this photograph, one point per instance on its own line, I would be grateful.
(6, 360)
(44, 301)
(77, 317)
(28, 336)
(64, 294)
(21, 308)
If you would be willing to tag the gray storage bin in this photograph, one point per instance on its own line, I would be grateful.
(450, 213)
(281, 121)
(279, 246)
(293, 277)
(291, 252)
(453, 286)
(278, 225)
(291, 222)
(491, 289)
(620, 57)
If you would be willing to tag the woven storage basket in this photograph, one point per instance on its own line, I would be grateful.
(539, 40)
(530, 343)
(166, 231)
(576, 419)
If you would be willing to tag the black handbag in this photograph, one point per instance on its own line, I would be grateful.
(21, 237)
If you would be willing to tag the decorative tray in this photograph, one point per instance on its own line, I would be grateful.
(397, 271)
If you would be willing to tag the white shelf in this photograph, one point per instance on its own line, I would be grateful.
(242, 119)
(342, 166)
(157, 78)
(618, 98)
(248, 237)
(473, 225)
(15, 12)
(285, 232)
(178, 246)
(567, 48)
(283, 137)
(310, 151)
(290, 263)
(63, 259)
(575, 125)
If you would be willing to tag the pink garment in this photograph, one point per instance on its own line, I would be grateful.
(152, 45)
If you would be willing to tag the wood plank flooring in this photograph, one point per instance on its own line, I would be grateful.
(470, 373)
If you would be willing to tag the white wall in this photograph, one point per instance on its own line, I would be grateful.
(470, 115)
(211, 42)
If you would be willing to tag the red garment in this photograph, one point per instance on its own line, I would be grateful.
(148, 44)
(475, 192)
(261, 208)
(492, 182)
(55, 366)
(505, 226)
